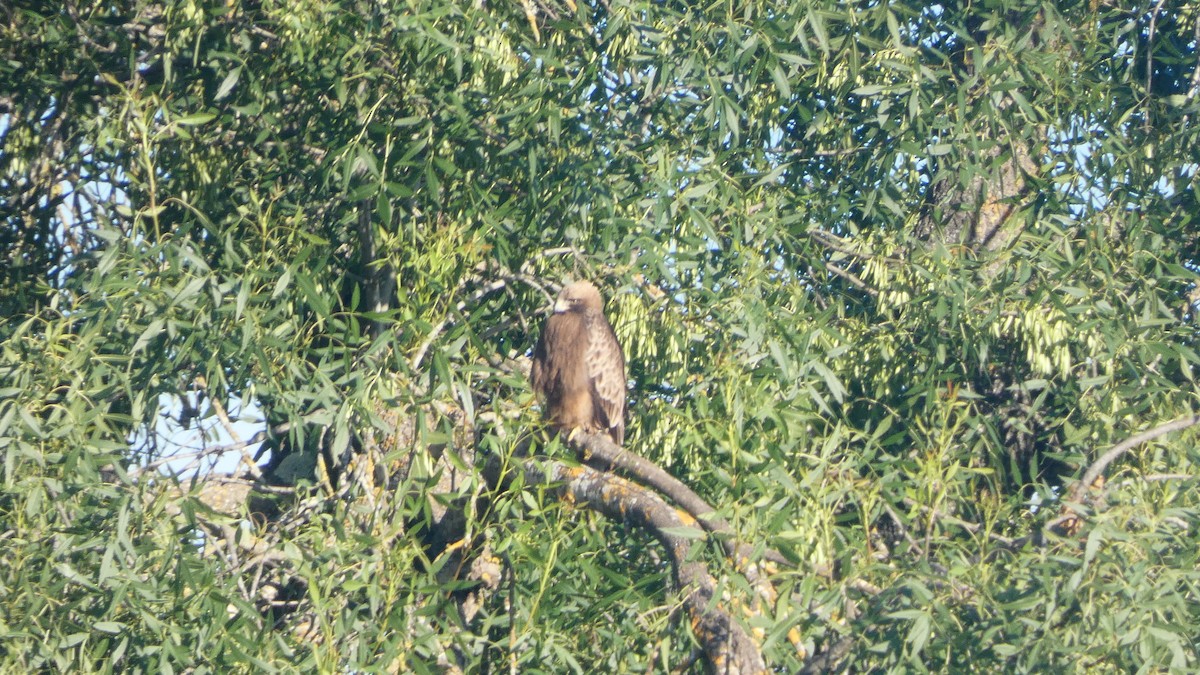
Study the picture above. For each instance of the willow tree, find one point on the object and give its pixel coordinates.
(906, 293)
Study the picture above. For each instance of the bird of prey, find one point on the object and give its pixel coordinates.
(578, 368)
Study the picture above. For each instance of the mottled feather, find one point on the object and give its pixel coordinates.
(578, 368)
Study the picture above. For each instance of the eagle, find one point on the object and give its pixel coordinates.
(578, 368)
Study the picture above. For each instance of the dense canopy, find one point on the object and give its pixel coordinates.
(907, 290)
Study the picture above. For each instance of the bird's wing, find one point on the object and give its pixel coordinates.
(537, 370)
(606, 368)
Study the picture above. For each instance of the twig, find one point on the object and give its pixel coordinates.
(973, 528)
(1150, 51)
(836, 243)
(808, 153)
(257, 485)
(502, 281)
(214, 450)
(903, 530)
(1056, 524)
(830, 658)
(263, 32)
(1164, 477)
(228, 424)
(1071, 516)
(862, 586)
(1194, 88)
(462, 304)
(854, 280)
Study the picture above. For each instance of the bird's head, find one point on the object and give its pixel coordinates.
(581, 297)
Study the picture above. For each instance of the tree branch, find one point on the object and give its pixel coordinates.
(251, 466)
(1098, 467)
(836, 243)
(612, 456)
(504, 277)
(727, 647)
(852, 278)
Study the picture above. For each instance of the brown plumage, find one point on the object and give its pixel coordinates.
(578, 367)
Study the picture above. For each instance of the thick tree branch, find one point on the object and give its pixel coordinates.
(728, 648)
(593, 447)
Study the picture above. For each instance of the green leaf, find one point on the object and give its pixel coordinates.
(227, 84)
(153, 330)
(195, 119)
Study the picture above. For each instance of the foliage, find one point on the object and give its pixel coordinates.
(339, 209)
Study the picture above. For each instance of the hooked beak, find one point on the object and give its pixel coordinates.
(561, 305)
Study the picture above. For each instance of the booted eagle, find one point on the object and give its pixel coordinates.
(578, 367)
